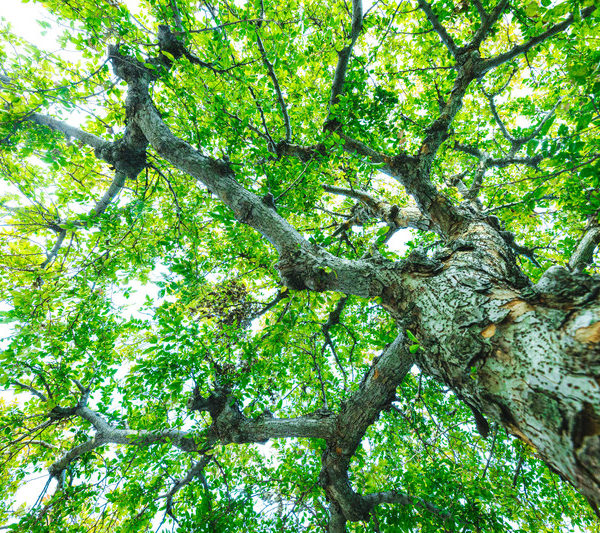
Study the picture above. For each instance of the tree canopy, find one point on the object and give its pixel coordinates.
(301, 266)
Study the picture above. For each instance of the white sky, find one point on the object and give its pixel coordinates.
(22, 18)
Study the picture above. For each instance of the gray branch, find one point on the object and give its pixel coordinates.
(127, 155)
(107, 434)
(31, 389)
(176, 15)
(337, 87)
(399, 217)
(69, 131)
(498, 120)
(500, 162)
(229, 425)
(401, 498)
(437, 26)
(194, 472)
(583, 255)
(112, 192)
(51, 255)
(376, 392)
(481, 10)
(517, 142)
(273, 76)
(302, 265)
(487, 21)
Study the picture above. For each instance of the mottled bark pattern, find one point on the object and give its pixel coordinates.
(528, 357)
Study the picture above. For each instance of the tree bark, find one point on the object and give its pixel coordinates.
(528, 357)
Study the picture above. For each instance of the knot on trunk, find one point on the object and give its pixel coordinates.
(127, 68)
(167, 42)
(214, 404)
(417, 261)
(300, 271)
(559, 285)
(123, 157)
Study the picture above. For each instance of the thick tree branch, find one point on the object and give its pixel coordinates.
(437, 26)
(481, 10)
(230, 425)
(302, 265)
(112, 192)
(437, 131)
(487, 21)
(469, 66)
(540, 125)
(402, 167)
(413, 174)
(127, 155)
(475, 187)
(176, 15)
(397, 497)
(376, 392)
(583, 255)
(399, 217)
(499, 121)
(355, 146)
(69, 131)
(57, 469)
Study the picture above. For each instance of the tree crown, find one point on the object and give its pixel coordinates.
(208, 211)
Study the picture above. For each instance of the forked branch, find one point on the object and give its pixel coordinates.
(488, 64)
(398, 217)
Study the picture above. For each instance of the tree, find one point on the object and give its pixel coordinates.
(241, 173)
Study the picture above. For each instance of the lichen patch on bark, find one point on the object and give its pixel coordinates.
(503, 294)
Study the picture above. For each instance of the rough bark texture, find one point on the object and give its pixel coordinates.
(527, 356)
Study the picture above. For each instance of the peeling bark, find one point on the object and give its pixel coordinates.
(528, 357)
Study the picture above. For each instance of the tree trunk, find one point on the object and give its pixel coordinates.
(526, 356)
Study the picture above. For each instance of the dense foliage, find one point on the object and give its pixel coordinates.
(166, 367)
